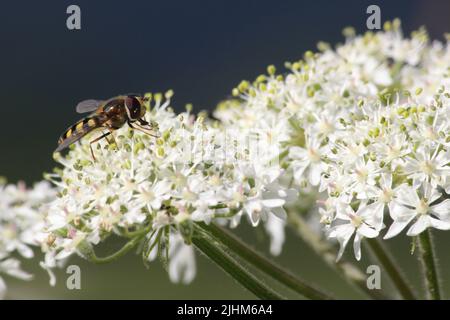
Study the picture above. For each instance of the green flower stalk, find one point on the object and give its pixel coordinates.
(429, 266)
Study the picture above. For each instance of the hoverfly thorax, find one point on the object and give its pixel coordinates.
(135, 108)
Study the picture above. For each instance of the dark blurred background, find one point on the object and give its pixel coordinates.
(200, 49)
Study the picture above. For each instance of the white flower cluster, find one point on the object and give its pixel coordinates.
(194, 171)
(369, 130)
(364, 127)
(20, 223)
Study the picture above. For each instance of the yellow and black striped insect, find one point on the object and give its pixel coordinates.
(109, 115)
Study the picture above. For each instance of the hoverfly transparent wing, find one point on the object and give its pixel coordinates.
(88, 105)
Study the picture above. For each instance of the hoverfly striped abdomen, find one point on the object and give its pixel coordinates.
(78, 130)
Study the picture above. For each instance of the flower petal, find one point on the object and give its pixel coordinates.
(397, 226)
(419, 226)
(439, 224)
(275, 228)
(342, 233)
(357, 246)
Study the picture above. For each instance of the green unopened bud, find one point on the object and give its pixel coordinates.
(400, 111)
(138, 147)
(323, 46)
(296, 66)
(375, 132)
(148, 96)
(168, 94)
(348, 32)
(262, 87)
(158, 97)
(166, 135)
(127, 163)
(366, 142)
(243, 86)
(396, 23)
(112, 146)
(309, 54)
(127, 147)
(271, 70)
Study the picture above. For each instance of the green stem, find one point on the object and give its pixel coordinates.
(136, 233)
(89, 253)
(262, 263)
(218, 253)
(348, 271)
(429, 266)
(391, 268)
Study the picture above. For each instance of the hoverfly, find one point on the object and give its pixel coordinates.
(109, 114)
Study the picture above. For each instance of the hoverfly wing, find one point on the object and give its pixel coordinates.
(88, 105)
(65, 142)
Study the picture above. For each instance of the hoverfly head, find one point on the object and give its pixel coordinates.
(135, 107)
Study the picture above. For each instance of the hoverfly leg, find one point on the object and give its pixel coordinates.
(109, 141)
(95, 140)
(111, 130)
(144, 130)
(144, 124)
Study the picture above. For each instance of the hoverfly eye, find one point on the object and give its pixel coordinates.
(134, 107)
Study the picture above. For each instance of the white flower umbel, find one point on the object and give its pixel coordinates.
(354, 126)
(194, 171)
(359, 123)
(20, 225)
